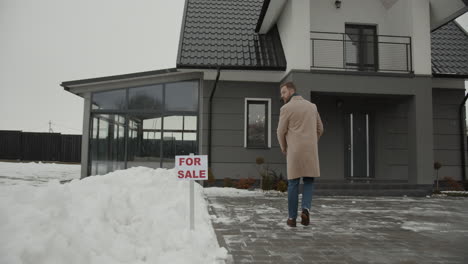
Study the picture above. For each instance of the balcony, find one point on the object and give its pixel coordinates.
(361, 52)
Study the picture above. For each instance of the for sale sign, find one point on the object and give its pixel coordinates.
(193, 167)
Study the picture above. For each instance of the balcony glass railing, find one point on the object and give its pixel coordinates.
(359, 52)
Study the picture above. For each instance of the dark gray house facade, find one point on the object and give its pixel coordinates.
(389, 107)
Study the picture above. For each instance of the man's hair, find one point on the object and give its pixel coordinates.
(289, 85)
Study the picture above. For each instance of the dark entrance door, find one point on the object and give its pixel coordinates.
(359, 145)
(361, 47)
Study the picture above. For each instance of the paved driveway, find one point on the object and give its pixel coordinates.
(343, 230)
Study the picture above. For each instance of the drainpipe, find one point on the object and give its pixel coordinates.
(462, 137)
(210, 116)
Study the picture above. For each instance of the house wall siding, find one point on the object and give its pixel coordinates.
(391, 100)
(229, 157)
(447, 145)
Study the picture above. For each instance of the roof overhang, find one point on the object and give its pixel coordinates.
(240, 75)
(80, 87)
(452, 76)
(271, 10)
(443, 11)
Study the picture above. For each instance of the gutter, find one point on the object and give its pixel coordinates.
(462, 137)
(210, 116)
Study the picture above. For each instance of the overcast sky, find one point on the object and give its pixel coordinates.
(44, 43)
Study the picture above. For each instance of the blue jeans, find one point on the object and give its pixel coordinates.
(293, 195)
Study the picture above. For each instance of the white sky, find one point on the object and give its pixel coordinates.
(44, 43)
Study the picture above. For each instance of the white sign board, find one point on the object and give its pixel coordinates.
(193, 167)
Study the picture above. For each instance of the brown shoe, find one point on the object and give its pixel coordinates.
(291, 222)
(305, 219)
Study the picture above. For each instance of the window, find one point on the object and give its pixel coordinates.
(257, 125)
(182, 96)
(146, 98)
(109, 100)
(361, 47)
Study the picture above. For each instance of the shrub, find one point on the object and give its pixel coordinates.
(245, 183)
(437, 166)
(452, 184)
(259, 160)
(211, 178)
(227, 182)
(267, 183)
(271, 180)
(282, 186)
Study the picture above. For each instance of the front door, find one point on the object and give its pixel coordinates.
(359, 145)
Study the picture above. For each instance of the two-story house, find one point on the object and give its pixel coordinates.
(389, 108)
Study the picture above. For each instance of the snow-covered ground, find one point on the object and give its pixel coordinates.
(139, 215)
(231, 192)
(36, 173)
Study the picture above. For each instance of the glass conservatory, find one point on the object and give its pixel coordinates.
(142, 126)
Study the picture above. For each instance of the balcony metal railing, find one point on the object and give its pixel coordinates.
(358, 52)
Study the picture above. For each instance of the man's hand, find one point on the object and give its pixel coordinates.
(284, 151)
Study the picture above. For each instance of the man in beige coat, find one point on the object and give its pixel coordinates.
(299, 130)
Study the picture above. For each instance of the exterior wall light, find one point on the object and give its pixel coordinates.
(339, 103)
(338, 4)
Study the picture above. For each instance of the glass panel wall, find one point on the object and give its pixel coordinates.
(110, 100)
(143, 126)
(182, 96)
(179, 137)
(144, 140)
(107, 143)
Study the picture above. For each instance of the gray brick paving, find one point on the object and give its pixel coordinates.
(343, 230)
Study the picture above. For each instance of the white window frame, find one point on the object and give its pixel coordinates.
(268, 100)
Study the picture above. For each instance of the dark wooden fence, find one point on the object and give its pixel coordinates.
(32, 146)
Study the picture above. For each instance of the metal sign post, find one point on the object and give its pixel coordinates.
(192, 206)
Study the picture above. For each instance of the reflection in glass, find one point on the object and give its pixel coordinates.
(173, 122)
(144, 141)
(257, 126)
(145, 98)
(107, 143)
(190, 122)
(109, 100)
(182, 96)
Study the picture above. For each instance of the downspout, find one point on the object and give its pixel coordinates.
(210, 116)
(462, 137)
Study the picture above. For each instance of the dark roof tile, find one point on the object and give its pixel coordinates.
(449, 50)
(221, 33)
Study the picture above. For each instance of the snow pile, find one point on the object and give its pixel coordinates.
(422, 226)
(37, 173)
(454, 192)
(139, 215)
(231, 192)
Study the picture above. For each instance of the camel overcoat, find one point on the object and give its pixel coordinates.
(299, 130)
